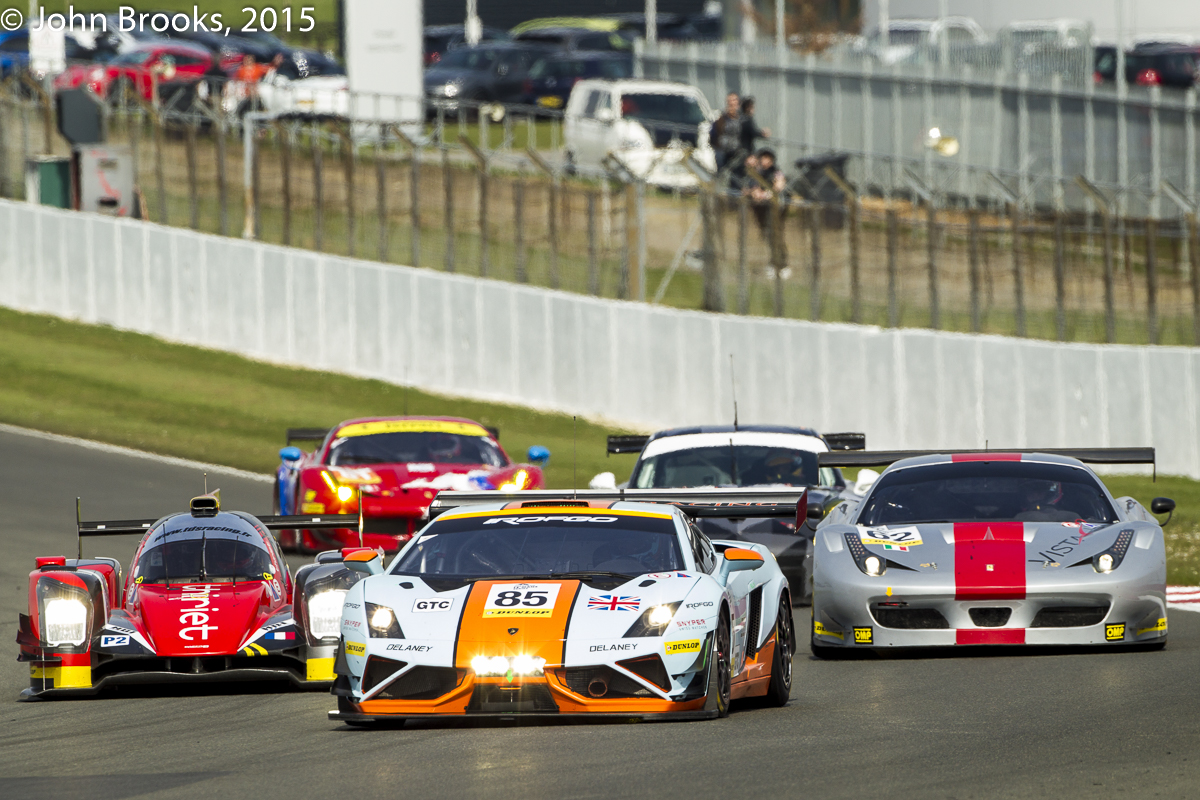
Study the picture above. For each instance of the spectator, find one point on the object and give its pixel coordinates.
(726, 136)
(749, 131)
(767, 203)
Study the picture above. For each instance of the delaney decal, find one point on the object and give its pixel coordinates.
(612, 602)
(410, 648)
(356, 649)
(428, 605)
(196, 617)
(891, 538)
(521, 600)
(684, 646)
(607, 648)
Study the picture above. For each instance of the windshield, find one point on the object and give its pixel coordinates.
(468, 58)
(987, 491)
(907, 36)
(544, 545)
(679, 109)
(134, 57)
(415, 446)
(203, 554)
(733, 465)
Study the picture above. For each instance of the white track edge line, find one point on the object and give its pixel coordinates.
(129, 451)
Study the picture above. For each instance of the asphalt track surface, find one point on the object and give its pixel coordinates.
(997, 724)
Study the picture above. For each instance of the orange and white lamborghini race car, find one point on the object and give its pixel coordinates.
(602, 604)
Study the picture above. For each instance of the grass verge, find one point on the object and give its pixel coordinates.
(134, 390)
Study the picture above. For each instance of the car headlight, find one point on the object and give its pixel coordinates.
(64, 621)
(653, 621)
(499, 665)
(1105, 563)
(867, 561)
(450, 90)
(325, 613)
(345, 493)
(381, 622)
(519, 481)
(1111, 558)
(873, 566)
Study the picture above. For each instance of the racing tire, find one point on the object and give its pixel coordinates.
(779, 691)
(720, 678)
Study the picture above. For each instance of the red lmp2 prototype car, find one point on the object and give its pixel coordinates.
(208, 597)
(396, 465)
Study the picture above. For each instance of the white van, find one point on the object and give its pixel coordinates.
(646, 124)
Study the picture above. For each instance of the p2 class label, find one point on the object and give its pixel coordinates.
(432, 604)
(114, 641)
(521, 600)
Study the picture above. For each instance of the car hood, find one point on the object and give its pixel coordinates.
(391, 479)
(200, 619)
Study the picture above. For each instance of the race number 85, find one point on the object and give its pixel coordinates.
(521, 600)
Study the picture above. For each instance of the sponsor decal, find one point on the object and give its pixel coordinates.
(114, 641)
(606, 648)
(280, 635)
(891, 538)
(705, 604)
(1114, 632)
(683, 646)
(196, 617)
(312, 508)
(521, 600)
(310, 495)
(352, 605)
(433, 604)
(119, 629)
(411, 425)
(690, 623)
(351, 623)
(612, 602)
(820, 629)
(355, 649)
(273, 588)
(280, 624)
(415, 467)
(668, 575)
(355, 476)
(410, 648)
(1161, 625)
(528, 520)
(864, 635)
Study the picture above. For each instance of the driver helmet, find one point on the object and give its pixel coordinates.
(444, 447)
(1041, 493)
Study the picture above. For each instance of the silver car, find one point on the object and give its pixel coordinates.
(986, 548)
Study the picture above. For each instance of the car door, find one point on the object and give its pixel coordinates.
(590, 147)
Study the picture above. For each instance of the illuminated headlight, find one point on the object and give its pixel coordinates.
(518, 482)
(325, 613)
(873, 566)
(381, 622)
(499, 665)
(382, 618)
(450, 90)
(1105, 563)
(653, 621)
(661, 615)
(345, 493)
(65, 622)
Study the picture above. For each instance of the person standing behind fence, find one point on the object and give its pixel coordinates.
(726, 135)
(767, 202)
(749, 131)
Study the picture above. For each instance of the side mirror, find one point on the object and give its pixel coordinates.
(538, 455)
(738, 559)
(605, 480)
(367, 562)
(816, 512)
(291, 453)
(1163, 505)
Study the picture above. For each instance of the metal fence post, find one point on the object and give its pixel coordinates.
(193, 198)
(627, 224)
(814, 299)
(381, 212)
(551, 211)
(931, 237)
(1110, 314)
(1060, 278)
(519, 227)
(414, 199)
(973, 266)
(893, 235)
(1018, 278)
(285, 163)
(714, 286)
(1194, 256)
(448, 208)
(775, 240)
(4, 173)
(222, 189)
(743, 277)
(159, 178)
(593, 262)
(1152, 280)
(256, 187)
(318, 189)
(481, 161)
(348, 164)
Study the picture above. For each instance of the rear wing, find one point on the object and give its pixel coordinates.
(724, 503)
(846, 441)
(306, 434)
(626, 444)
(1088, 455)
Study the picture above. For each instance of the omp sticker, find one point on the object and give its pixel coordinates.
(1161, 625)
(114, 641)
(684, 646)
(864, 635)
(410, 426)
(432, 604)
(521, 600)
(891, 538)
(356, 649)
(1114, 633)
(820, 630)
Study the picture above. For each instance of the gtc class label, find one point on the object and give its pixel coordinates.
(521, 600)
(685, 646)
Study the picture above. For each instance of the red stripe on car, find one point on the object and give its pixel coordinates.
(960, 457)
(990, 636)
(989, 561)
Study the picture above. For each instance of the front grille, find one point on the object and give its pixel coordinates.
(910, 618)
(649, 668)
(755, 622)
(1070, 616)
(422, 683)
(990, 617)
(378, 670)
(490, 698)
(603, 682)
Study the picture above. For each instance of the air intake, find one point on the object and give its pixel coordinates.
(206, 505)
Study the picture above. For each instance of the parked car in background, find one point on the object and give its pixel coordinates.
(172, 68)
(603, 35)
(488, 73)
(14, 51)
(440, 38)
(645, 124)
(552, 77)
(911, 40)
(1151, 64)
(229, 50)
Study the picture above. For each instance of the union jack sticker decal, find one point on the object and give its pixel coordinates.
(612, 602)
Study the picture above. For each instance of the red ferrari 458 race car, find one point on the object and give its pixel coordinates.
(207, 597)
(396, 465)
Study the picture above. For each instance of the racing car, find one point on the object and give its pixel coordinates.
(594, 604)
(989, 548)
(395, 465)
(745, 456)
(208, 597)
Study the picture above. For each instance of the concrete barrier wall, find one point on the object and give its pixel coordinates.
(642, 365)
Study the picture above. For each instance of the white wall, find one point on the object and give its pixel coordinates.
(643, 365)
